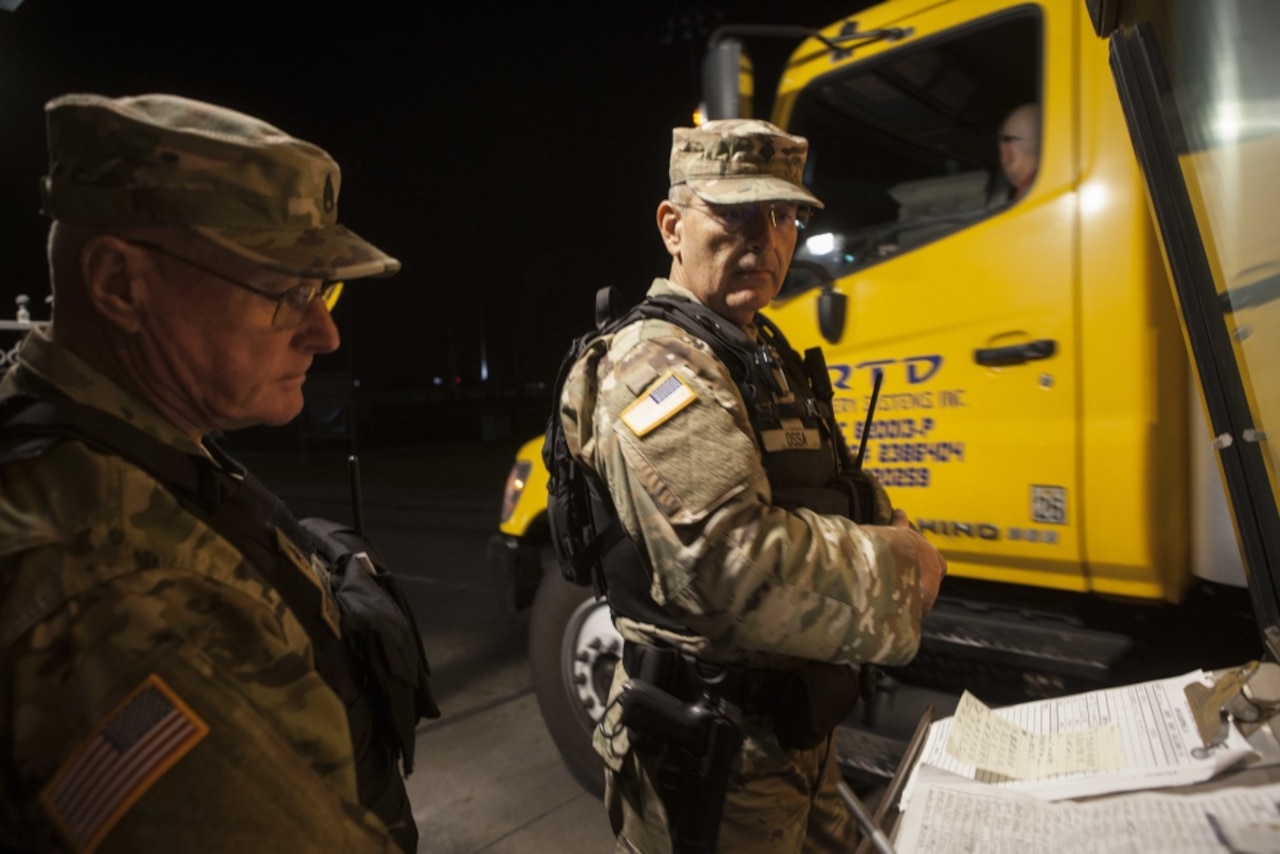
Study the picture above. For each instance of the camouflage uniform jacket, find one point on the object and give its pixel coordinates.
(759, 585)
(108, 586)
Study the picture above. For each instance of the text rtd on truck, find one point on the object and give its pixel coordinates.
(1037, 418)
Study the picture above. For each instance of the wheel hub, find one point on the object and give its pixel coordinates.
(597, 647)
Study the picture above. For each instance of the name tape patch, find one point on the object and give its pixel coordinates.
(792, 439)
(668, 395)
(315, 572)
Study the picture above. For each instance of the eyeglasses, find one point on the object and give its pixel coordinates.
(784, 216)
(291, 305)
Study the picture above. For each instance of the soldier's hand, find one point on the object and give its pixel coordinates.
(933, 566)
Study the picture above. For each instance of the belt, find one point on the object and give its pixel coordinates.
(757, 691)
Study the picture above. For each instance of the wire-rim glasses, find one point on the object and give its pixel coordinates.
(291, 305)
(783, 216)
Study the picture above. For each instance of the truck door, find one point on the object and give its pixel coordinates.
(961, 284)
(1199, 88)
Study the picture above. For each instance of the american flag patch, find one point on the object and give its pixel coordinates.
(662, 400)
(129, 751)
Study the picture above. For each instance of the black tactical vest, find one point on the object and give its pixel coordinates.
(795, 428)
(788, 401)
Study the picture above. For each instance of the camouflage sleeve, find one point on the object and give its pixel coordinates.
(157, 696)
(689, 483)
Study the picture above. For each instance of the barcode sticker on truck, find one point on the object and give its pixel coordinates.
(1049, 505)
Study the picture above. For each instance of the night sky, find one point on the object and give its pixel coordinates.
(510, 155)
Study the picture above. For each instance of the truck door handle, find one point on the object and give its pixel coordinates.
(1016, 354)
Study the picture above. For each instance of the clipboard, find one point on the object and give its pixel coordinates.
(886, 814)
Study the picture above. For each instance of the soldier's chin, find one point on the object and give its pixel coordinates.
(280, 414)
(747, 301)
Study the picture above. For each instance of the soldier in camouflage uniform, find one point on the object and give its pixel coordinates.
(756, 584)
(158, 693)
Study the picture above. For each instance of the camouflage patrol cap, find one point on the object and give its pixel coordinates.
(729, 161)
(164, 160)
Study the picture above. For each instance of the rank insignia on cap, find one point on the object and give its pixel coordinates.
(667, 396)
(122, 758)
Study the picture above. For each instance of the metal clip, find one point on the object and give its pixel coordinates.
(1208, 704)
(774, 376)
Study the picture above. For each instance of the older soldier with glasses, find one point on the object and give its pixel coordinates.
(179, 666)
(747, 588)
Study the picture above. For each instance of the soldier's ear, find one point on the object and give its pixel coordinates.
(670, 226)
(112, 271)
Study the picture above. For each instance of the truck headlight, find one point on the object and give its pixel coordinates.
(516, 480)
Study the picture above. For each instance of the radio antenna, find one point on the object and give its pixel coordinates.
(866, 425)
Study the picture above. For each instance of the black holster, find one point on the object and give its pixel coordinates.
(696, 744)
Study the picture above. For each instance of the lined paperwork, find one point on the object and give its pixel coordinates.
(987, 741)
(959, 815)
(1159, 742)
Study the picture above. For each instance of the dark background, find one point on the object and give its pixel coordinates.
(510, 155)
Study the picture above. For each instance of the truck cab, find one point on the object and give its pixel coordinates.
(1037, 416)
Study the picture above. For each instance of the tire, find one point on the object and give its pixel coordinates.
(573, 649)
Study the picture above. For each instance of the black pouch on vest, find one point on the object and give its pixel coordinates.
(821, 696)
(859, 487)
(380, 628)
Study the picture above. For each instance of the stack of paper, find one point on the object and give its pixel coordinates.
(987, 779)
(1158, 741)
(964, 816)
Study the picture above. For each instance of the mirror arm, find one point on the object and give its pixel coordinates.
(838, 44)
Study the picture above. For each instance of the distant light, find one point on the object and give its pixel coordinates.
(820, 244)
(1228, 123)
(437, 380)
(1093, 197)
(457, 380)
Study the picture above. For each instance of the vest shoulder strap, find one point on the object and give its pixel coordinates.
(30, 424)
(587, 534)
(224, 495)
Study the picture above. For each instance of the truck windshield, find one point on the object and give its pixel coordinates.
(905, 147)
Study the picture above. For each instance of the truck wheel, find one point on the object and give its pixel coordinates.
(573, 648)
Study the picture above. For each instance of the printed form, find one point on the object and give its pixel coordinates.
(1141, 736)
(955, 815)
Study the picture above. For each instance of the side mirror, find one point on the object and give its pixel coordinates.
(805, 275)
(728, 82)
(832, 306)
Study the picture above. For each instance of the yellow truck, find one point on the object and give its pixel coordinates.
(1037, 417)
